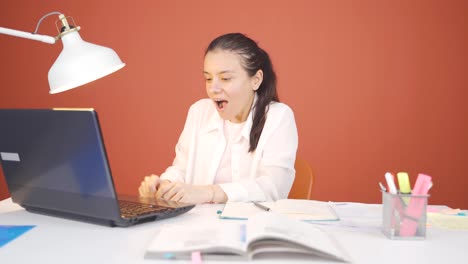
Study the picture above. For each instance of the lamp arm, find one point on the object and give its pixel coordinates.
(28, 35)
(34, 35)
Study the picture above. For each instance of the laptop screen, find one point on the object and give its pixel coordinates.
(56, 159)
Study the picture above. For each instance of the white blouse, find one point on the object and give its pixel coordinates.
(266, 174)
(232, 133)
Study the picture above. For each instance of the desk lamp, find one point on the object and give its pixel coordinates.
(80, 62)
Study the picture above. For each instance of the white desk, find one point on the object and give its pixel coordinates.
(56, 240)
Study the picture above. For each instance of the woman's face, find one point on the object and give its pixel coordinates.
(229, 85)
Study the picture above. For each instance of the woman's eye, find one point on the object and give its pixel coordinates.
(208, 80)
(226, 79)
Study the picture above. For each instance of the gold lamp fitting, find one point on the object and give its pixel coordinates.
(65, 28)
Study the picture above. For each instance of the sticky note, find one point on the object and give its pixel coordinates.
(11, 232)
(196, 257)
(169, 255)
(243, 233)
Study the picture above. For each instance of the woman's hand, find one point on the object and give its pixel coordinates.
(149, 186)
(186, 193)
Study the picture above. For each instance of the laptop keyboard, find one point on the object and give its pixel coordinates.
(130, 209)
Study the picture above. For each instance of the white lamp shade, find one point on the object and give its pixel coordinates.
(81, 62)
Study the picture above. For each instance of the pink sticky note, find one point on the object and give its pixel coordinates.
(196, 257)
(433, 209)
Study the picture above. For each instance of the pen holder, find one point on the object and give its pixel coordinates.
(404, 216)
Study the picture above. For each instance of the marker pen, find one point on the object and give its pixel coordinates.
(390, 182)
(404, 183)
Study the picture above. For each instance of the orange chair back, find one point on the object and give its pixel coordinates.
(302, 186)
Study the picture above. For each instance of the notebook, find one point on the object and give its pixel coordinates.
(55, 163)
(304, 210)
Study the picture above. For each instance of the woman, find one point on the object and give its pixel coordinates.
(241, 143)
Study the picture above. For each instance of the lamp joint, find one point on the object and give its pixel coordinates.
(66, 27)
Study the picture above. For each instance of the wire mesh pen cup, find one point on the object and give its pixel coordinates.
(404, 216)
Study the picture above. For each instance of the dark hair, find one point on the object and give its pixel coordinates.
(253, 58)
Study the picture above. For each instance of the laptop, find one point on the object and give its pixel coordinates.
(55, 163)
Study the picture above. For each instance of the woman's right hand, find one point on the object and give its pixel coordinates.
(149, 186)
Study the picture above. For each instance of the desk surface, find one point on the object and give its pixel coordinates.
(56, 240)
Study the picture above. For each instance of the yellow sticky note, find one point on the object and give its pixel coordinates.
(448, 221)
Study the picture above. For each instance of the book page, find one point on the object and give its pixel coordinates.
(306, 210)
(240, 210)
(271, 232)
(180, 240)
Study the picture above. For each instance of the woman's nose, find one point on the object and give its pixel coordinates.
(215, 86)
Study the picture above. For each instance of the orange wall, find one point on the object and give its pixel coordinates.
(375, 85)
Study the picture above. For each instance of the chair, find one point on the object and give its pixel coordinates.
(302, 185)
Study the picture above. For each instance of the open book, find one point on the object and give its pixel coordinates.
(305, 210)
(263, 235)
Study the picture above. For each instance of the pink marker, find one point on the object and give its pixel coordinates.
(415, 207)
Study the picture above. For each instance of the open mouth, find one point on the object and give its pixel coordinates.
(220, 104)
